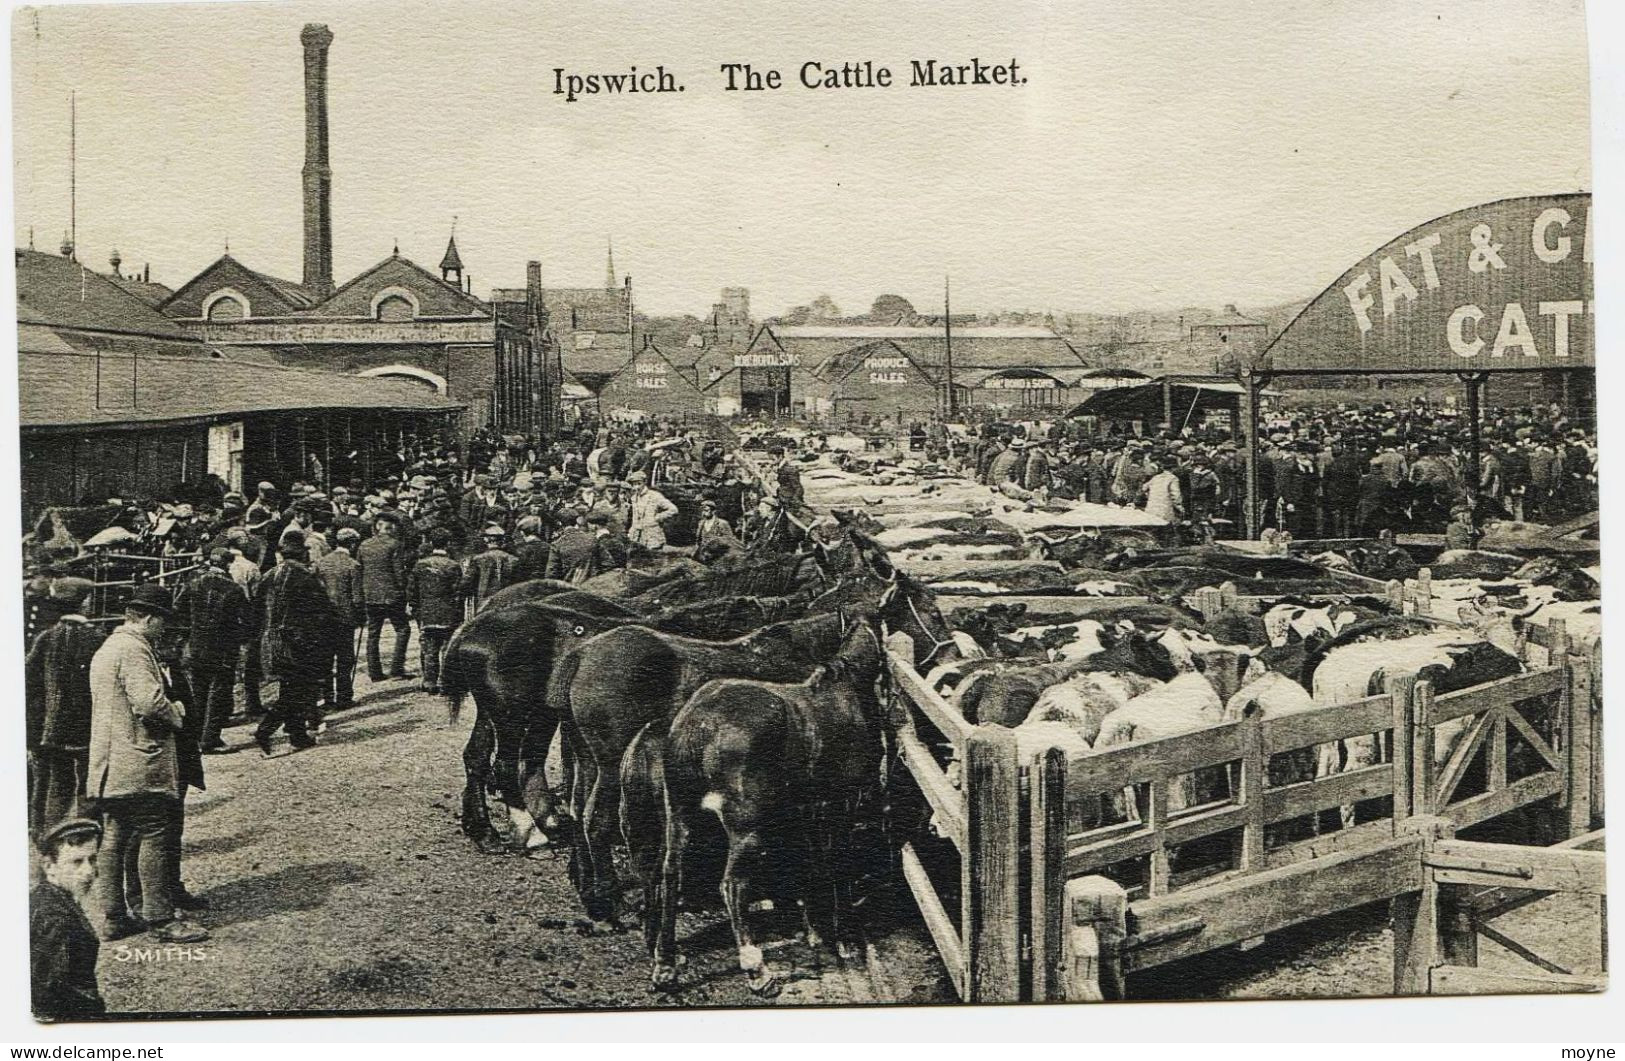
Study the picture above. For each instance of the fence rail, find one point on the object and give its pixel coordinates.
(1087, 901)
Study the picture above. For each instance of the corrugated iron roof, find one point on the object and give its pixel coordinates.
(58, 390)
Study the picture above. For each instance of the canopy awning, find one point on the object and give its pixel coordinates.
(1146, 402)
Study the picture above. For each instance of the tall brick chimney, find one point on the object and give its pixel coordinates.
(318, 175)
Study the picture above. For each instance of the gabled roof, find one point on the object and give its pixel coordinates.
(1228, 318)
(268, 296)
(847, 362)
(1002, 347)
(436, 298)
(57, 291)
(58, 391)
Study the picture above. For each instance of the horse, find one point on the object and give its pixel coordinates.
(504, 656)
(783, 767)
(613, 685)
(617, 682)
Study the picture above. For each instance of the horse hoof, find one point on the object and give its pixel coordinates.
(765, 984)
(664, 977)
(814, 940)
(491, 844)
(846, 951)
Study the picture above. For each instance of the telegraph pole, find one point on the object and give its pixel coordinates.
(948, 337)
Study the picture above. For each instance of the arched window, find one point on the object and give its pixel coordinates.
(225, 305)
(396, 308)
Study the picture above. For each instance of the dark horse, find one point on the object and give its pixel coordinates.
(503, 657)
(784, 768)
(613, 685)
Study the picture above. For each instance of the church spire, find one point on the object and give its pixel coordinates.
(609, 269)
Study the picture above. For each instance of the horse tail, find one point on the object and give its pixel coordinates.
(457, 674)
(559, 682)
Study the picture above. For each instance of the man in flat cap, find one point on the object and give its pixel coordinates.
(384, 564)
(487, 572)
(62, 945)
(135, 771)
(434, 598)
(298, 626)
(341, 577)
(57, 701)
(215, 611)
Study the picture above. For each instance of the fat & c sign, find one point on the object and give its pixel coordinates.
(1499, 287)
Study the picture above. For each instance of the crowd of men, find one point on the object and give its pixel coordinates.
(1322, 472)
(298, 584)
(293, 586)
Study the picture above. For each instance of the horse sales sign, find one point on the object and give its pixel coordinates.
(1500, 287)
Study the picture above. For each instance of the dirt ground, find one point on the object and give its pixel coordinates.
(339, 881)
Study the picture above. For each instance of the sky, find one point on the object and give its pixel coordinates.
(1159, 155)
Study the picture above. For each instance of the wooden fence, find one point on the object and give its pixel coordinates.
(1055, 905)
(1465, 888)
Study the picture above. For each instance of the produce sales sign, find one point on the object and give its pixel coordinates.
(1500, 287)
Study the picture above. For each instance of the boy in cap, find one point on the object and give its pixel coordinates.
(62, 946)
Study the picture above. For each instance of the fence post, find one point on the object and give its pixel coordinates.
(991, 866)
(1593, 666)
(1098, 910)
(1047, 843)
(1424, 591)
(1581, 739)
(1422, 750)
(1402, 691)
(1254, 766)
(1415, 915)
(1395, 591)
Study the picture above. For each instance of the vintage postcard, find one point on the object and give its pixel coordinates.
(574, 506)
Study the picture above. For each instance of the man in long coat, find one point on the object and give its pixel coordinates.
(341, 577)
(135, 772)
(434, 597)
(384, 565)
(299, 625)
(214, 607)
(57, 700)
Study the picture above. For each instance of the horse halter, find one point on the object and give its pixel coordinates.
(895, 585)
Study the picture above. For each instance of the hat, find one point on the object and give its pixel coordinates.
(439, 537)
(339, 491)
(708, 503)
(530, 525)
(598, 518)
(151, 599)
(348, 534)
(183, 512)
(493, 531)
(71, 590)
(266, 487)
(482, 479)
(69, 831)
(220, 556)
(633, 478)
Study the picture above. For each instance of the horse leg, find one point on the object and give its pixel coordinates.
(476, 769)
(667, 894)
(535, 798)
(598, 830)
(744, 847)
